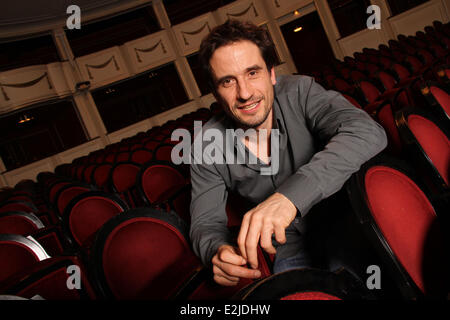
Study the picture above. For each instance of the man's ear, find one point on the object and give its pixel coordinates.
(273, 77)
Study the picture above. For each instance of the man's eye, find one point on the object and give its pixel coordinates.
(227, 83)
(253, 73)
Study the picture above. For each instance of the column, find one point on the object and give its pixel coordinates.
(329, 25)
(90, 117)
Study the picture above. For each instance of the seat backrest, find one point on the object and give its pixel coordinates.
(442, 97)
(110, 157)
(55, 188)
(150, 247)
(387, 80)
(66, 194)
(100, 174)
(17, 222)
(17, 254)
(141, 155)
(87, 173)
(79, 172)
(371, 68)
(306, 284)
(401, 71)
(386, 62)
(122, 156)
(342, 86)
(50, 278)
(370, 91)
(151, 144)
(414, 62)
(403, 225)
(426, 56)
(158, 181)
(123, 176)
(433, 141)
(17, 205)
(20, 197)
(357, 75)
(385, 117)
(87, 212)
(163, 152)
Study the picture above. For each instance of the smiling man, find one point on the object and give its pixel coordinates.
(323, 139)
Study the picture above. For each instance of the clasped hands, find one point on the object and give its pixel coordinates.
(271, 216)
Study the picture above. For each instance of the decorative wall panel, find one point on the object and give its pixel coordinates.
(103, 67)
(29, 85)
(250, 10)
(189, 34)
(149, 52)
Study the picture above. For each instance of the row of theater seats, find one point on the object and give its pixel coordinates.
(121, 214)
(123, 222)
(404, 87)
(401, 197)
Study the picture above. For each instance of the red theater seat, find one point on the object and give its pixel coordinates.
(66, 193)
(49, 280)
(143, 254)
(306, 284)
(87, 212)
(18, 254)
(428, 144)
(403, 227)
(123, 181)
(100, 175)
(141, 155)
(158, 181)
(17, 205)
(17, 222)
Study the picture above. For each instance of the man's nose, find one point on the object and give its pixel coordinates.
(245, 90)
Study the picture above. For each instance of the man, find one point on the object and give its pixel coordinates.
(322, 140)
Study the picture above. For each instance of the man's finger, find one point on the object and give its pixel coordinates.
(224, 281)
(243, 234)
(217, 271)
(280, 234)
(230, 256)
(251, 242)
(238, 271)
(266, 240)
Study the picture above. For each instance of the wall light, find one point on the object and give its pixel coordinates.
(25, 118)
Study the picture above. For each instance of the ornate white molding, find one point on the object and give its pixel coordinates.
(278, 8)
(149, 51)
(103, 67)
(246, 10)
(189, 34)
(25, 86)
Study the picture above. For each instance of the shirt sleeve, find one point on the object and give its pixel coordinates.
(208, 229)
(351, 138)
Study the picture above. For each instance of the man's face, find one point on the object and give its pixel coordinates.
(244, 86)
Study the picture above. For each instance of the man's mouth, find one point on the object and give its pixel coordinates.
(249, 107)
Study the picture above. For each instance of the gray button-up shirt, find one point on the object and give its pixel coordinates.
(323, 139)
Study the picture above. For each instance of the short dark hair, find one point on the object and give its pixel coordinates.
(234, 31)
